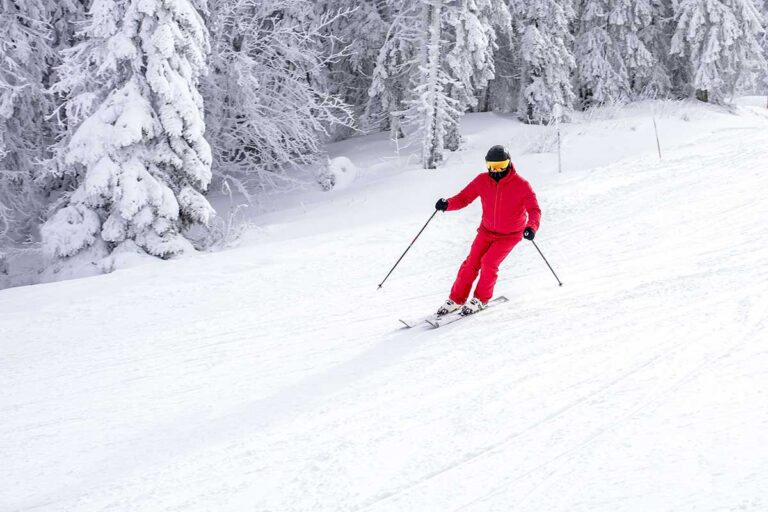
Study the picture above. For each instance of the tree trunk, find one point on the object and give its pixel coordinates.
(524, 107)
(433, 141)
(485, 100)
(394, 127)
(453, 136)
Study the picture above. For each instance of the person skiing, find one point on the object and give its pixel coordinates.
(510, 213)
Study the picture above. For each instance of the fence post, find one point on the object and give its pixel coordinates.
(656, 131)
(558, 114)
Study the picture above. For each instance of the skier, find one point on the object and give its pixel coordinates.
(510, 213)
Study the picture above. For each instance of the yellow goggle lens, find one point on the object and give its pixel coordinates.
(497, 166)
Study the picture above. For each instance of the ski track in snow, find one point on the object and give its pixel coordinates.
(640, 385)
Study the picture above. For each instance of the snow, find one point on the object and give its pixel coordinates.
(339, 174)
(275, 376)
(71, 229)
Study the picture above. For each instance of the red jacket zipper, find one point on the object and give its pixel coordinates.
(495, 204)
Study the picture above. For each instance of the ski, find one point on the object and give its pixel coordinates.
(416, 321)
(456, 316)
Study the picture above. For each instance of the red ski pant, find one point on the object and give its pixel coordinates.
(487, 253)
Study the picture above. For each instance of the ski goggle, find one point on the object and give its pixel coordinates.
(497, 166)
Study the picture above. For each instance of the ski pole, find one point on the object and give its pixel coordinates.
(409, 247)
(545, 261)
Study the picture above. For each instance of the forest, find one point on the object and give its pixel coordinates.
(119, 118)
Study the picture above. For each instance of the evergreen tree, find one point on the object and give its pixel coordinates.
(435, 63)
(471, 33)
(411, 84)
(26, 58)
(764, 44)
(719, 39)
(654, 80)
(396, 62)
(66, 16)
(432, 109)
(601, 72)
(503, 91)
(613, 56)
(546, 60)
(135, 145)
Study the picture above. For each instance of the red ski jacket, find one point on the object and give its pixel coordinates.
(509, 206)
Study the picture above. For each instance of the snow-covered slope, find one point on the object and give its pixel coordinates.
(274, 377)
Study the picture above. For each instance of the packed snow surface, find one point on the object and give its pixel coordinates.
(276, 377)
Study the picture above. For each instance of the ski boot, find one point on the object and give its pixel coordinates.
(473, 306)
(448, 307)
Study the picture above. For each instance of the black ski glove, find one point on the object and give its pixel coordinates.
(441, 205)
(529, 234)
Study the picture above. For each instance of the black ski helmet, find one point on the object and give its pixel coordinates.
(497, 153)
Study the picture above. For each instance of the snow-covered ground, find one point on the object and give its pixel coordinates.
(275, 377)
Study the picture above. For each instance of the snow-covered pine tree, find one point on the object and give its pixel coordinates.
(764, 44)
(545, 58)
(436, 61)
(396, 61)
(267, 103)
(503, 91)
(611, 52)
(66, 18)
(655, 34)
(719, 39)
(601, 70)
(471, 33)
(432, 109)
(410, 83)
(135, 143)
(26, 58)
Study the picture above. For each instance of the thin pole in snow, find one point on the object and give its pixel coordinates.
(409, 248)
(656, 130)
(557, 113)
(545, 261)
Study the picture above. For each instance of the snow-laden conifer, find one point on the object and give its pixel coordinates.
(656, 79)
(436, 61)
(602, 74)
(410, 85)
(546, 61)
(471, 34)
(764, 45)
(26, 57)
(396, 62)
(432, 109)
(612, 55)
(135, 146)
(720, 42)
(502, 93)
